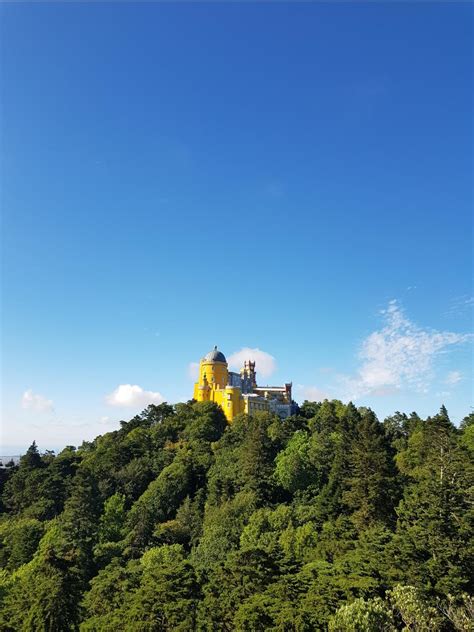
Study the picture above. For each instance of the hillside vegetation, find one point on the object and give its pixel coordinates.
(329, 520)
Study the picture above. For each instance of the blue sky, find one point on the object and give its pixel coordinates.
(290, 178)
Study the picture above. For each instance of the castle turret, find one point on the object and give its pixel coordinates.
(248, 376)
(213, 368)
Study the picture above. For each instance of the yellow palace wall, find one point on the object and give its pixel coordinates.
(212, 386)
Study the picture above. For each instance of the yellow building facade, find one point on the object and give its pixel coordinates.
(238, 393)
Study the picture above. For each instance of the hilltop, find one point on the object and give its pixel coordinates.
(327, 519)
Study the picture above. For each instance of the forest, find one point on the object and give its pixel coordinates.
(328, 520)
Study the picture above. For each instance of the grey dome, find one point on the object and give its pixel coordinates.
(215, 356)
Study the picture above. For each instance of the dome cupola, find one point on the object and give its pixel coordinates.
(215, 356)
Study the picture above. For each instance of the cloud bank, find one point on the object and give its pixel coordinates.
(132, 395)
(36, 402)
(265, 363)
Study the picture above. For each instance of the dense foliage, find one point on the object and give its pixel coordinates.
(329, 520)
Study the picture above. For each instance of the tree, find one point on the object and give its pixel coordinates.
(160, 500)
(222, 528)
(242, 574)
(112, 520)
(168, 594)
(414, 610)
(371, 481)
(44, 594)
(80, 521)
(208, 424)
(31, 459)
(24, 487)
(109, 590)
(19, 541)
(294, 470)
(179, 521)
(431, 547)
(362, 616)
(256, 456)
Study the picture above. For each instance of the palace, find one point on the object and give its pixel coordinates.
(238, 393)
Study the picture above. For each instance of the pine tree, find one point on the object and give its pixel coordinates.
(32, 458)
(433, 546)
(370, 484)
(80, 520)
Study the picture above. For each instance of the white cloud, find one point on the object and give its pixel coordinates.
(265, 364)
(193, 370)
(443, 394)
(107, 421)
(311, 393)
(453, 377)
(132, 395)
(36, 402)
(399, 355)
(460, 305)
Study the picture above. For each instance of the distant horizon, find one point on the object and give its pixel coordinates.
(20, 449)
